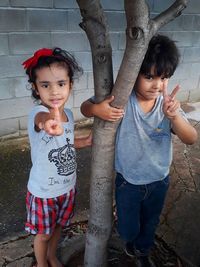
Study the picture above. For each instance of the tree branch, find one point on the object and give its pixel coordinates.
(137, 39)
(169, 14)
(95, 25)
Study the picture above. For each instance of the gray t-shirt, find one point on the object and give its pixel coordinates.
(53, 171)
(143, 150)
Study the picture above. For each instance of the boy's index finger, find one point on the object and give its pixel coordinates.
(165, 94)
(174, 92)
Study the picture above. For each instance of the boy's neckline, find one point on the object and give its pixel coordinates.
(146, 106)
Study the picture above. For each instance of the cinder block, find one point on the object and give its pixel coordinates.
(185, 39)
(194, 95)
(73, 20)
(170, 34)
(183, 70)
(23, 122)
(65, 4)
(122, 40)
(12, 20)
(159, 6)
(115, 73)
(9, 126)
(193, 7)
(90, 78)
(80, 83)
(35, 3)
(183, 96)
(75, 41)
(77, 114)
(119, 4)
(112, 5)
(22, 87)
(70, 101)
(194, 68)
(191, 54)
(196, 21)
(81, 96)
(116, 20)
(114, 40)
(4, 3)
(117, 59)
(4, 50)
(150, 3)
(189, 83)
(7, 89)
(84, 59)
(181, 52)
(47, 20)
(181, 23)
(11, 66)
(24, 43)
(14, 108)
(173, 82)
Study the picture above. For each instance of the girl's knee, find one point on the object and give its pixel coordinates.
(43, 237)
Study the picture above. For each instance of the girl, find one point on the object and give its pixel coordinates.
(51, 185)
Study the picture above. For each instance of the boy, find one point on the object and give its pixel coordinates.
(143, 150)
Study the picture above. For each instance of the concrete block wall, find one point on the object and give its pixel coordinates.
(26, 26)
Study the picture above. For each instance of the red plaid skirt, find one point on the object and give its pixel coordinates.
(43, 214)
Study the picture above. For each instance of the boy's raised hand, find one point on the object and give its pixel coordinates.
(53, 126)
(106, 112)
(170, 104)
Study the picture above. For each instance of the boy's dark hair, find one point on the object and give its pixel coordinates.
(59, 56)
(163, 55)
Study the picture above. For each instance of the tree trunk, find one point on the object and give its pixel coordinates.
(140, 29)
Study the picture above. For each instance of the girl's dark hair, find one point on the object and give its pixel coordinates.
(63, 58)
(163, 55)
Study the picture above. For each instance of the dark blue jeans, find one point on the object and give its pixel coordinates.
(138, 211)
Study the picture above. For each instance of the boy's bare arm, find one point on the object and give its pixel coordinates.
(181, 127)
(184, 130)
(103, 110)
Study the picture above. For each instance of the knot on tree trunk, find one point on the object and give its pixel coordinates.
(135, 33)
(101, 58)
(179, 11)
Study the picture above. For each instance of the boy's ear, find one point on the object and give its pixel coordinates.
(71, 85)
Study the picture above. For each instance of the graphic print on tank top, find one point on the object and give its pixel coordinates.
(64, 159)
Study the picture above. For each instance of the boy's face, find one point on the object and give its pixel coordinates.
(149, 86)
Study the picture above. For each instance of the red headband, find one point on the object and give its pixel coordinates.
(32, 61)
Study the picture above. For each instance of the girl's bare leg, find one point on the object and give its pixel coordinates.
(41, 248)
(52, 248)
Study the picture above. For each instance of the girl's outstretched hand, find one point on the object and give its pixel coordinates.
(170, 104)
(53, 126)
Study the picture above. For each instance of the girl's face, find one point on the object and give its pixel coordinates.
(150, 86)
(53, 85)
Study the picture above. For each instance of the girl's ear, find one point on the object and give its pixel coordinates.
(34, 88)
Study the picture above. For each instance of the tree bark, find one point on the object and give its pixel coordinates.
(139, 31)
(100, 219)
